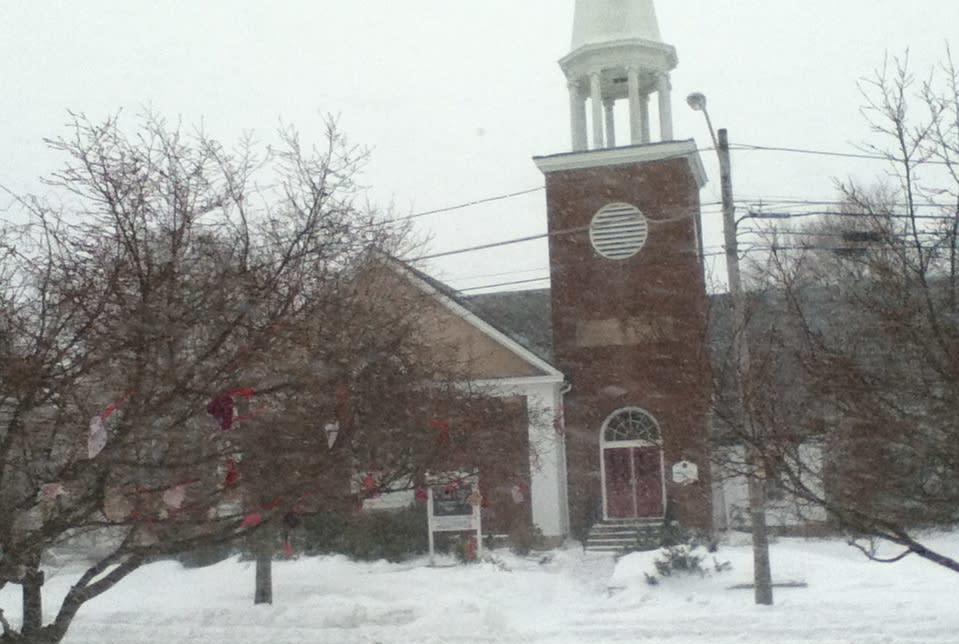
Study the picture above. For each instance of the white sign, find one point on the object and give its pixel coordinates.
(454, 523)
(685, 473)
(455, 506)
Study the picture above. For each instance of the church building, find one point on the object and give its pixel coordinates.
(617, 350)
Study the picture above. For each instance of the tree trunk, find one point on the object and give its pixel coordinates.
(39, 637)
(762, 572)
(934, 557)
(264, 569)
(32, 601)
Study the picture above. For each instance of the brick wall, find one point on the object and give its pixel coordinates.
(631, 333)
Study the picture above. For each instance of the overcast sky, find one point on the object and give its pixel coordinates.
(455, 96)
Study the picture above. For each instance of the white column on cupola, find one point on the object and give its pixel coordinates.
(644, 118)
(635, 109)
(577, 110)
(596, 96)
(610, 105)
(664, 89)
(617, 52)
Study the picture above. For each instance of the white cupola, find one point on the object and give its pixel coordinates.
(617, 53)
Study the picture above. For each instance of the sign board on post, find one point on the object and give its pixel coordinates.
(685, 473)
(454, 506)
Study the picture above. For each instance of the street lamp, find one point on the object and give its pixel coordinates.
(757, 492)
(697, 102)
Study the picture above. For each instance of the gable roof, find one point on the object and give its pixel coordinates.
(514, 332)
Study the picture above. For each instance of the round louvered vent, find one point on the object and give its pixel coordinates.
(618, 231)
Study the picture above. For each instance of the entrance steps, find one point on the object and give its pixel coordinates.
(616, 535)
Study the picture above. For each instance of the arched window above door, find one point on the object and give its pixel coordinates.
(632, 425)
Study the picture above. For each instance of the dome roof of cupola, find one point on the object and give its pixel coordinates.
(598, 22)
(610, 35)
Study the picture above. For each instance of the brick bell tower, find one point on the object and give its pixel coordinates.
(628, 287)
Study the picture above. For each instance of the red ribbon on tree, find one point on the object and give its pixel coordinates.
(252, 520)
(442, 429)
(222, 407)
(232, 474)
(98, 435)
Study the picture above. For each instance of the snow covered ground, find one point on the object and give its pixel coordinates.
(573, 598)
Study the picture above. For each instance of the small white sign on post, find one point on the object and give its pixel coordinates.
(454, 504)
(685, 473)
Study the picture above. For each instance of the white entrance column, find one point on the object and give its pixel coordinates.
(664, 88)
(548, 480)
(610, 105)
(635, 109)
(596, 96)
(577, 110)
(547, 459)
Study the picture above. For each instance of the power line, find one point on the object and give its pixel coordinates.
(468, 204)
(844, 235)
(505, 242)
(502, 273)
(836, 249)
(797, 201)
(513, 283)
(519, 193)
(530, 238)
(752, 249)
(854, 215)
(534, 280)
(829, 153)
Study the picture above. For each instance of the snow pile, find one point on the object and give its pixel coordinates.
(846, 598)
(571, 598)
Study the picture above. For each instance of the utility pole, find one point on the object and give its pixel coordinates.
(762, 575)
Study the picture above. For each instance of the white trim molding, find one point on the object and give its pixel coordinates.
(519, 382)
(627, 155)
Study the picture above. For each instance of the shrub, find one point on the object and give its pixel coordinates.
(683, 559)
(207, 555)
(523, 538)
(369, 536)
(686, 558)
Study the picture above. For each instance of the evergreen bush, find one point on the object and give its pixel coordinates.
(368, 536)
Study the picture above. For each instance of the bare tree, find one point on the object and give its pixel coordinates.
(197, 344)
(855, 334)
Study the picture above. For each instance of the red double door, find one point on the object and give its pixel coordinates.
(634, 482)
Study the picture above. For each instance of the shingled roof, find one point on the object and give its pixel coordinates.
(526, 316)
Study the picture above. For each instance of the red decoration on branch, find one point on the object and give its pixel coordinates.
(252, 520)
(371, 486)
(232, 474)
(442, 429)
(222, 407)
(98, 435)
